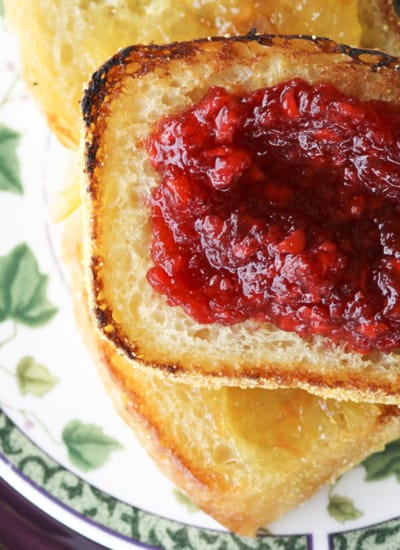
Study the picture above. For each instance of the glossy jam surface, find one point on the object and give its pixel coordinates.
(282, 205)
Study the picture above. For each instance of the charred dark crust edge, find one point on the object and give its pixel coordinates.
(105, 85)
(152, 54)
(97, 88)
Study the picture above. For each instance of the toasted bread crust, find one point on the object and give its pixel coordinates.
(139, 60)
(317, 366)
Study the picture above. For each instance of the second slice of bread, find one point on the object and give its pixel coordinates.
(125, 99)
(61, 43)
(246, 457)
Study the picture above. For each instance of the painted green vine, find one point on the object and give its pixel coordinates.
(24, 301)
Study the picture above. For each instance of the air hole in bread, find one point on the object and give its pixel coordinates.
(203, 334)
(373, 356)
(147, 230)
(158, 317)
(198, 411)
(224, 453)
(341, 421)
(195, 95)
(66, 54)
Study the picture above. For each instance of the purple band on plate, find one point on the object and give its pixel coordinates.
(23, 525)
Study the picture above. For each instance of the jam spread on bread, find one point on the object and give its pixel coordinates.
(282, 205)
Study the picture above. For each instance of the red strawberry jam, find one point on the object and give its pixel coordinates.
(282, 205)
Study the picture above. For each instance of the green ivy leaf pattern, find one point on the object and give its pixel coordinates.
(23, 289)
(384, 536)
(183, 499)
(34, 378)
(342, 509)
(384, 464)
(9, 163)
(129, 521)
(88, 447)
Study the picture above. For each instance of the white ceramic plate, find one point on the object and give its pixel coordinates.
(62, 445)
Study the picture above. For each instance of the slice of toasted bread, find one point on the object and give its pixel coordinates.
(62, 43)
(245, 457)
(380, 24)
(126, 97)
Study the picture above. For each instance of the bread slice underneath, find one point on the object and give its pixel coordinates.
(126, 97)
(246, 457)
